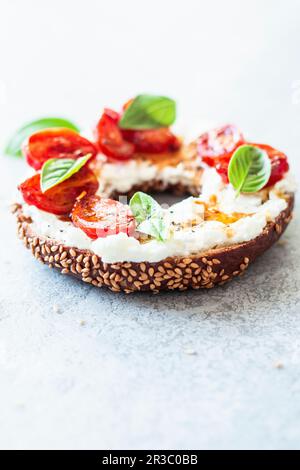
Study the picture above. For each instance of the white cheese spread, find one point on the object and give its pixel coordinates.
(121, 177)
(193, 238)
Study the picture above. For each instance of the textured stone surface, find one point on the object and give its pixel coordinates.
(86, 368)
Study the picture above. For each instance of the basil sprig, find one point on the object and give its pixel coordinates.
(57, 170)
(149, 216)
(249, 169)
(149, 112)
(13, 148)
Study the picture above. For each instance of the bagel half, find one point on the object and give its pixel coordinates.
(202, 270)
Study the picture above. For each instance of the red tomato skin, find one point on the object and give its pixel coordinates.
(112, 114)
(279, 164)
(153, 140)
(109, 137)
(60, 199)
(219, 143)
(217, 147)
(56, 143)
(99, 217)
(121, 144)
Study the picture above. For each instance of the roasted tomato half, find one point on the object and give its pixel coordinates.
(110, 139)
(99, 217)
(60, 199)
(56, 143)
(279, 163)
(217, 146)
(121, 144)
(153, 140)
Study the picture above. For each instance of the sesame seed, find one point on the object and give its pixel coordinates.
(143, 267)
(95, 260)
(115, 289)
(168, 265)
(132, 272)
(78, 268)
(151, 272)
(195, 266)
(170, 272)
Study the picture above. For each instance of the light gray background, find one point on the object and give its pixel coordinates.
(178, 370)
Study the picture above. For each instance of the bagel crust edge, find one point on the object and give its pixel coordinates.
(203, 270)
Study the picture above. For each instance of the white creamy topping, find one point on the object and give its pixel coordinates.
(184, 241)
(287, 184)
(121, 177)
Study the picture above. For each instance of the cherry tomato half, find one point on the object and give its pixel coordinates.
(56, 143)
(279, 163)
(60, 199)
(121, 144)
(219, 144)
(99, 217)
(110, 139)
(153, 140)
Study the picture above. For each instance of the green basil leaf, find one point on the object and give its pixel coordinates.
(149, 216)
(143, 206)
(13, 148)
(57, 170)
(149, 112)
(249, 169)
(155, 227)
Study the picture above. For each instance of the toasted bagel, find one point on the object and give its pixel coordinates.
(200, 270)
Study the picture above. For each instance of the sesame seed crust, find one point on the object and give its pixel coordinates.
(202, 270)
